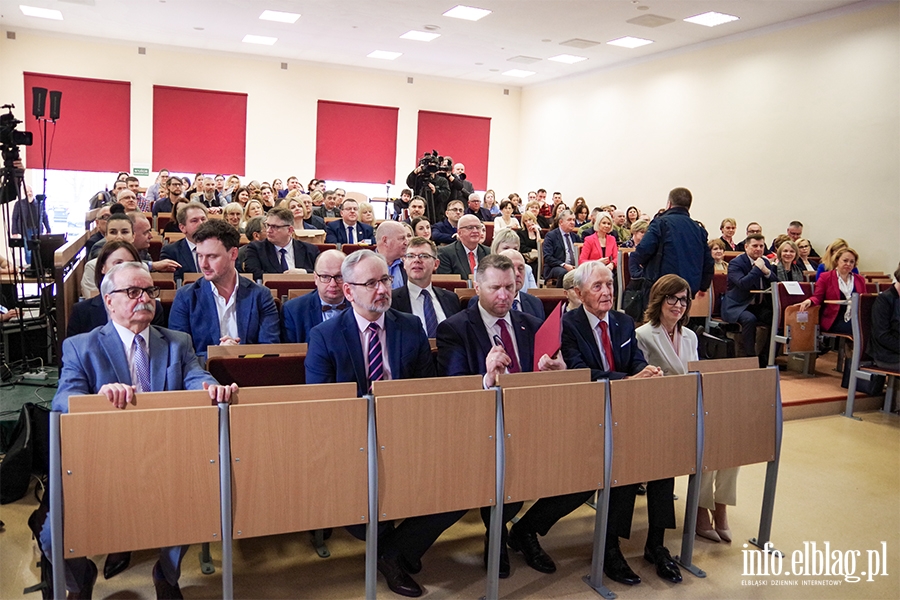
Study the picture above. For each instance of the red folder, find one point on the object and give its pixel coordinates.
(549, 337)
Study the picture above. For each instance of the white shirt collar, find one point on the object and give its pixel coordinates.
(594, 320)
(363, 323)
(127, 336)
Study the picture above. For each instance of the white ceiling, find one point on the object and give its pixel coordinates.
(345, 31)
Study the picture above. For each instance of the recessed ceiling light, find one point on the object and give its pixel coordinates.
(384, 54)
(518, 73)
(467, 12)
(419, 36)
(281, 17)
(43, 13)
(629, 42)
(569, 59)
(259, 39)
(711, 19)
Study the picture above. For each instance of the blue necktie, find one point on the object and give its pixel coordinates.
(141, 363)
(349, 235)
(516, 304)
(376, 370)
(284, 265)
(430, 316)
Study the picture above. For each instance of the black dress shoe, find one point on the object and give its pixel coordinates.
(87, 589)
(616, 567)
(115, 564)
(410, 566)
(504, 559)
(397, 579)
(164, 589)
(528, 545)
(641, 490)
(665, 565)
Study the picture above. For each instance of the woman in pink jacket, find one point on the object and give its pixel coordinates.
(837, 284)
(601, 245)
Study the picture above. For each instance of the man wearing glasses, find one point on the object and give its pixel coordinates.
(223, 308)
(373, 342)
(418, 297)
(279, 252)
(445, 232)
(303, 313)
(462, 256)
(128, 356)
(174, 190)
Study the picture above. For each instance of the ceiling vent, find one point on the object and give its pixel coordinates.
(579, 43)
(650, 20)
(524, 60)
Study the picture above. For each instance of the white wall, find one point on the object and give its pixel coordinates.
(281, 107)
(801, 123)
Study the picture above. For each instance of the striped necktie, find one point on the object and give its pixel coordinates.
(430, 316)
(141, 364)
(376, 357)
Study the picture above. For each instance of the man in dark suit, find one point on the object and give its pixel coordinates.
(596, 337)
(522, 301)
(392, 239)
(191, 216)
(418, 297)
(748, 272)
(753, 228)
(329, 208)
(279, 252)
(462, 256)
(348, 230)
(416, 208)
(368, 343)
(474, 208)
(467, 346)
(301, 314)
(98, 363)
(444, 232)
(223, 308)
(559, 248)
(312, 220)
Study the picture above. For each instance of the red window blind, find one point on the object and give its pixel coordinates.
(356, 142)
(93, 132)
(465, 138)
(199, 130)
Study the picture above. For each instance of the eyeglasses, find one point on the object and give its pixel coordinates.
(135, 292)
(372, 285)
(673, 300)
(422, 256)
(803, 247)
(328, 278)
(102, 218)
(478, 227)
(271, 226)
(457, 209)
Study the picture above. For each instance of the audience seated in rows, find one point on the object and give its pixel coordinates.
(279, 252)
(418, 296)
(837, 284)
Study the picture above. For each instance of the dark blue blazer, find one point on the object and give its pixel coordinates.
(194, 312)
(335, 353)
(580, 351)
(314, 222)
(91, 313)
(555, 249)
(449, 301)
(260, 257)
(93, 359)
(529, 305)
(180, 253)
(744, 276)
(455, 259)
(336, 233)
(443, 232)
(299, 316)
(463, 343)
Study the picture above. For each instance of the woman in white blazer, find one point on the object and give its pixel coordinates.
(668, 344)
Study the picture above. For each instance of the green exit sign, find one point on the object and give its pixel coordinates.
(141, 171)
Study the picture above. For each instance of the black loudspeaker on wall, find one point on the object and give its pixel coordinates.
(39, 101)
(55, 99)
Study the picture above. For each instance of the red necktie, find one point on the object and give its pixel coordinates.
(607, 345)
(509, 347)
(472, 262)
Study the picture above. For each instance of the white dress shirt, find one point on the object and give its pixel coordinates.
(227, 310)
(594, 321)
(289, 257)
(363, 325)
(418, 302)
(493, 328)
(127, 337)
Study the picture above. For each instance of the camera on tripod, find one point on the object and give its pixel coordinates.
(10, 137)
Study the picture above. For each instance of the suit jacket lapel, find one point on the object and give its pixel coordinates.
(616, 336)
(463, 256)
(351, 341)
(393, 337)
(208, 308)
(523, 341)
(584, 330)
(243, 309)
(115, 352)
(272, 257)
(478, 330)
(159, 361)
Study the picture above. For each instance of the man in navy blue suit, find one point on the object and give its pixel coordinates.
(279, 252)
(596, 337)
(124, 357)
(444, 232)
(372, 342)
(223, 308)
(559, 248)
(463, 256)
(467, 345)
(301, 314)
(419, 297)
(349, 230)
(191, 216)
